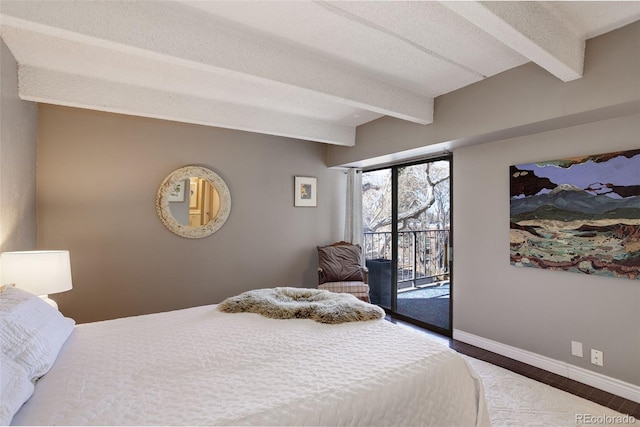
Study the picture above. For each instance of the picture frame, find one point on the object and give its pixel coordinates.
(176, 194)
(305, 192)
(193, 194)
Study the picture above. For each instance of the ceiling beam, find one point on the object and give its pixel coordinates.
(60, 88)
(531, 29)
(179, 34)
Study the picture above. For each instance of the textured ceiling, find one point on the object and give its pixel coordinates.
(311, 70)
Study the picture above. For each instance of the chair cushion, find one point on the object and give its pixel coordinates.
(355, 288)
(340, 263)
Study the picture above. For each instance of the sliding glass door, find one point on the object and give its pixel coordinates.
(407, 240)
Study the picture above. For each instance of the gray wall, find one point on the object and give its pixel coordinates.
(98, 174)
(18, 137)
(538, 310)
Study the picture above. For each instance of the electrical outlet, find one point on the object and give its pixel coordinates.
(597, 357)
(576, 348)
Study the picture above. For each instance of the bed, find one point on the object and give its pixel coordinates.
(201, 366)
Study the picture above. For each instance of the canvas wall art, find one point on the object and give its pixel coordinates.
(578, 214)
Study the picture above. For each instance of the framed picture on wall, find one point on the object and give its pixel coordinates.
(305, 192)
(193, 193)
(177, 192)
(578, 214)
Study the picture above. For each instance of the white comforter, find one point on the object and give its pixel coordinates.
(200, 366)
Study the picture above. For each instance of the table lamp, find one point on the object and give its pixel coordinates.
(38, 272)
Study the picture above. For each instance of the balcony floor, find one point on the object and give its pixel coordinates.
(428, 304)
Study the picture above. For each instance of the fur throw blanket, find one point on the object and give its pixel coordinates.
(302, 303)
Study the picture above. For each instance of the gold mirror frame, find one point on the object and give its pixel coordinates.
(187, 231)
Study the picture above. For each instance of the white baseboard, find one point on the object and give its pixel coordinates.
(593, 379)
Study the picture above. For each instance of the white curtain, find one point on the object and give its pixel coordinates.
(353, 220)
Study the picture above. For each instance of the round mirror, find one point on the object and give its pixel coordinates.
(193, 202)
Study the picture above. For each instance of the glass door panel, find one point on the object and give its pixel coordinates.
(378, 239)
(406, 218)
(423, 285)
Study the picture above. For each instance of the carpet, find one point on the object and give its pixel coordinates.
(515, 400)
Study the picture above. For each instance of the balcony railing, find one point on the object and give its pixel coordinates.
(423, 256)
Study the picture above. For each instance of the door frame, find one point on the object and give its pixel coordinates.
(394, 237)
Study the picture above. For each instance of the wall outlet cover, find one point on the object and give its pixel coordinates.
(597, 357)
(576, 348)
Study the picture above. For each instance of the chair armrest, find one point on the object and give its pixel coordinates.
(365, 275)
(321, 276)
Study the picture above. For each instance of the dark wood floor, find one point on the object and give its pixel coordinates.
(604, 398)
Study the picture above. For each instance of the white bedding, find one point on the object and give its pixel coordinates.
(200, 366)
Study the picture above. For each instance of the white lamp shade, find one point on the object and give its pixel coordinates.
(37, 272)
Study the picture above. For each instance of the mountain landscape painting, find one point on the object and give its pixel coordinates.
(579, 214)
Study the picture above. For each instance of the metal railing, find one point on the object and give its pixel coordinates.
(423, 256)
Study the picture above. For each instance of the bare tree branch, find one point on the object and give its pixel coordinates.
(382, 218)
(408, 214)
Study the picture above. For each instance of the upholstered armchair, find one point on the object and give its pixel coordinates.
(340, 269)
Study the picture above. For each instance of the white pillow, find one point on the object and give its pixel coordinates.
(15, 388)
(31, 331)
